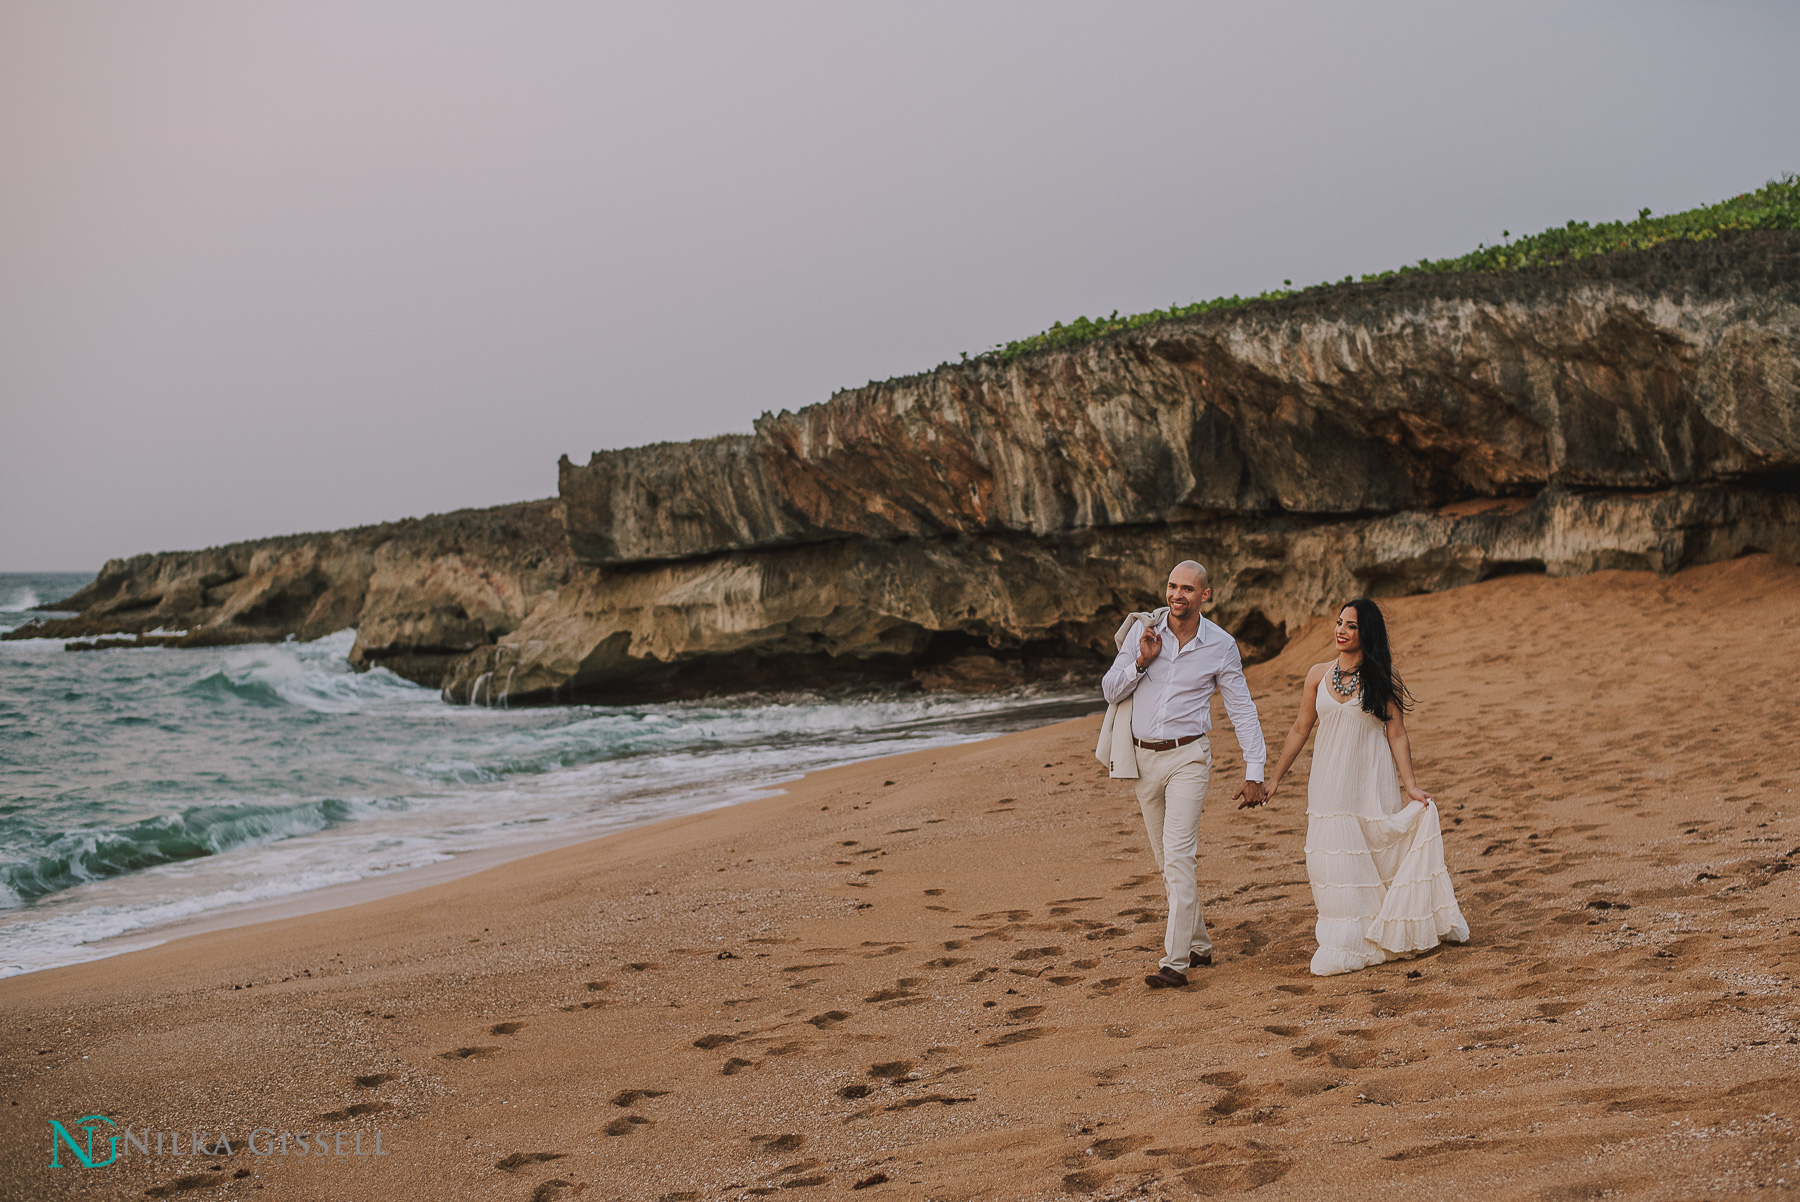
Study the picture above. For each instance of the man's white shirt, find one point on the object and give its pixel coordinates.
(1172, 696)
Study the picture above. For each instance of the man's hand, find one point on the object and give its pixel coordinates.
(1252, 793)
(1149, 647)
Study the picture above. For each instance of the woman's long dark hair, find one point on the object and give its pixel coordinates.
(1382, 688)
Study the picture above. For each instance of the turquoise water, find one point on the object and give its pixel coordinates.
(142, 786)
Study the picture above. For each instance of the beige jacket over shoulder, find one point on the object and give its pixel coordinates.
(1115, 748)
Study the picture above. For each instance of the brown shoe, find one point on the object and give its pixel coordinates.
(1199, 959)
(1165, 978)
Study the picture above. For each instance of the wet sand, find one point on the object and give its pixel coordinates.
(922, 975)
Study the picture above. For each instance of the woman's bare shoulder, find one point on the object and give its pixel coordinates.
(1316, 673)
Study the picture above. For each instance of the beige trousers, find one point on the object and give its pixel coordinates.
(1171, 790)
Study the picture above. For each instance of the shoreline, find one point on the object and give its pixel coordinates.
(720, 784)
(920, 975)
(337, 897)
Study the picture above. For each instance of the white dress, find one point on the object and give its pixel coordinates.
(1375, 858)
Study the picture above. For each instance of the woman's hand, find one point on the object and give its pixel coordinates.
(1418, 794)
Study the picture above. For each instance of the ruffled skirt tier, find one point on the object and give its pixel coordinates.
(1378, 877)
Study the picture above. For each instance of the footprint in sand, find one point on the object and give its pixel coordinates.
(1089, 1179)
(467, 1053)
(799, 1174)
(892, 1070)
(709, 1042)
(889, 995)
(506, 1028)
(736, 1065)
(356, 1111)
(1307, 1086)
(1225, 1168)
(626, 1125)
(829, 1019)
(1106, 1150)
(939, 1099)
(778, 1143)
(374, 1079)
(520, 1160)
(1012, 1037)
(1025, 1012)
(557, 1187)
(1038, 953)
(631, 1097)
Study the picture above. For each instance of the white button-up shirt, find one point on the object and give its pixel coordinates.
(1173, 695)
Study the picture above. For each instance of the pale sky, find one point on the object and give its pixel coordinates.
(276, 267)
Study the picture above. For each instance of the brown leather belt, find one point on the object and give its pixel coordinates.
(1166, 744)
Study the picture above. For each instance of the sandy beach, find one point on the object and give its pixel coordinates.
(920, 977)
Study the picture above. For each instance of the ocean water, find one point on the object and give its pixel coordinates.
(139, 787)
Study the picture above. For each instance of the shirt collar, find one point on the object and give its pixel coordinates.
(1201, 636)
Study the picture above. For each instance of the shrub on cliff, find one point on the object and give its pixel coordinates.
(1775, 206)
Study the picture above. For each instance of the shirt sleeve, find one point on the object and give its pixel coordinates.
(1242, 711)
(1121, 680)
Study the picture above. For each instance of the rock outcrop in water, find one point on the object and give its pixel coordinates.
(422, 593)
(989, 521)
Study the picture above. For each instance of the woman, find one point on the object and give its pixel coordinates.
(1373, 850)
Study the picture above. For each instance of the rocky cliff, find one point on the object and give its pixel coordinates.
(421, 593)
(991, 519)
(1632, 371)
(988, 521)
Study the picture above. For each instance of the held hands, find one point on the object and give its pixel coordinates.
(1149, 647)
(1253, 795)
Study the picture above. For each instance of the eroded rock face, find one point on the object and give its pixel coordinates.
(421, 593)
(872, 611)
(1635, 411)
(1644, 371)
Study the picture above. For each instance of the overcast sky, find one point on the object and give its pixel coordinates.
(276, 267)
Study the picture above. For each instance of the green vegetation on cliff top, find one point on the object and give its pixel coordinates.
(1776, 206)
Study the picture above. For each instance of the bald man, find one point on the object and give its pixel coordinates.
(1170, 668)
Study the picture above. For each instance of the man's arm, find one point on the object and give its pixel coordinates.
(1242, 711)
(1121, 680)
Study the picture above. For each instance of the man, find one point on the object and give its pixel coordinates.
(1169, 667)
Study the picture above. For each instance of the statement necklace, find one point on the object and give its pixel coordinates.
(1343, 683)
